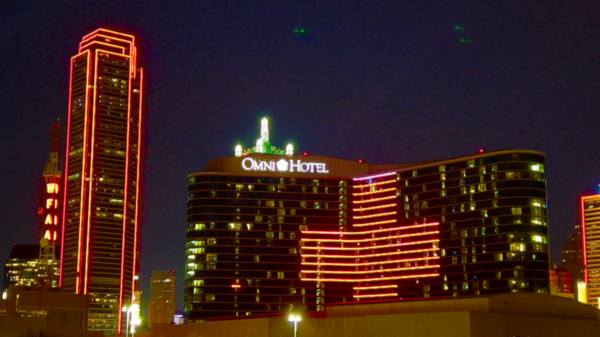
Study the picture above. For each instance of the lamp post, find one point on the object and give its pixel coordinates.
(128, 311)
(295, 319)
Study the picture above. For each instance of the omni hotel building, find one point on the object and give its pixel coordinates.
(271, 231)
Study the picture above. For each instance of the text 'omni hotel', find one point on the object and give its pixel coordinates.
(270, 231)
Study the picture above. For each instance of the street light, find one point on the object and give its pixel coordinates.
(295, 319)
(128, 311)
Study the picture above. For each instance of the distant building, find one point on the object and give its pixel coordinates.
(572, 254)
(161, 308)
(561, 282)
(590, 210)
(23, 268)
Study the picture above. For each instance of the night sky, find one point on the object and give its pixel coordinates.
(388, 81)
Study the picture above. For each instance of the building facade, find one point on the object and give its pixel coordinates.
(590, 210)
(99, 253)
(24, 269)
(162, 305)
(270, 231)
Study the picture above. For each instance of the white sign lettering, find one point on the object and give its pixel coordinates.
(283, 165)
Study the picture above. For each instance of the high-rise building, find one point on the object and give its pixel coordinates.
(161, 308)
(270, 231)
(590, 214)
(102, 177)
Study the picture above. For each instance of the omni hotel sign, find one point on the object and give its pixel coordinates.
(283, 165)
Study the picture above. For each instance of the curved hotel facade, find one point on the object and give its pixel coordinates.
(270, 231)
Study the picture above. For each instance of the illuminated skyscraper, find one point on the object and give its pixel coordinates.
(270, 231)
(102, 177)
(590, 214)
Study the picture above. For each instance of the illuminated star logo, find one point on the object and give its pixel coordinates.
(282, 165)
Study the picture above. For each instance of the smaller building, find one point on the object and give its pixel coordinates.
(561, 282)
(24, 269)
(161, 307)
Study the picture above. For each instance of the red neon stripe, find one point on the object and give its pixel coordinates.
(355, 272)
(373, 231)
(91, 176)
(374, 223)
(371, 255)
(373, 207)
(122, 287)
(375, 184)
(62, 246)
(137, 184)
(372, 247)
(375, 295)
(375, 176)
(373, 215)
(370, 279)
(373, 200)
(366, 263)
(376, 287)
(374, 192)
(372, 239)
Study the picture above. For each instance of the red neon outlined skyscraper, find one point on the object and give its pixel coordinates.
(102, 176)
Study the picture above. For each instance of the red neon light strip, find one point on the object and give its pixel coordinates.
(373, 215)
(375, 176)
(137, 184)
(374, 223)
(375, 295)
(375, 184)
(373, 200)
(377, 287)
(81, 44)
(366, 263)
(373, 207)
(359, 272)
(374, 192)
(62, 246)
(91, 177)
(372, 247)
(371, 255)
(371, 239)
(122, 289)
(104, 44)
(372, 231)
(370, 280)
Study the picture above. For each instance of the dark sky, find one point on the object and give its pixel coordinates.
(388, 81)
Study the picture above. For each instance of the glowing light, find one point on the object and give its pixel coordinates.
(371, 255)
(374, 207)
(375, 295)
(48, 220)
(236, 286)
(289, 150)
(49, 203)
(137, 184)
(372, 231)
(373, 215)
(356, 264)
(52, 188)
(359, 272)
(260, 146)
(47, 235)
(238, 150)
(371, 239)
(264, 130)
(375, 184)
(373, 247)
(375, 223)
(376, 287)
(371, 279)
(373, 192)
(373, 200)
(375, 176)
